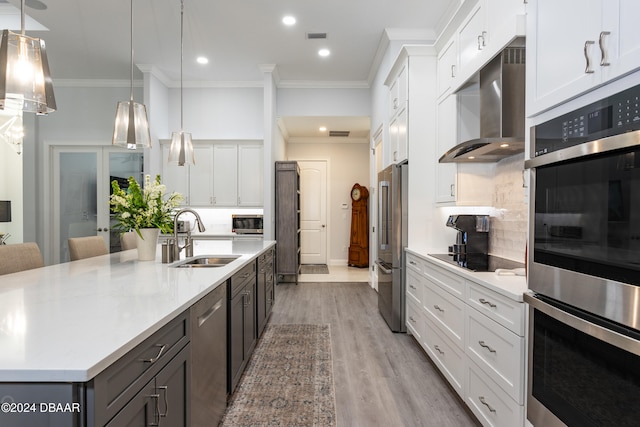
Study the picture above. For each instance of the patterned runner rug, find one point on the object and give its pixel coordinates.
(314, 269)
(288, 382)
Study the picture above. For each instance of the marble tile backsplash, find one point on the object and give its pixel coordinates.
(509, 225)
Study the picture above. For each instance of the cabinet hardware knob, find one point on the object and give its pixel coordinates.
(489, 303)
(588, 69)
(155, 359)
(484, 402)
(482, 344)
(604, 62)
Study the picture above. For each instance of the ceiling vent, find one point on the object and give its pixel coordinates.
(340, 133)
(314, 36)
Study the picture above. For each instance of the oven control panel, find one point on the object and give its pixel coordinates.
(610, 116)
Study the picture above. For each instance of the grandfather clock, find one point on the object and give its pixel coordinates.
(359, 243)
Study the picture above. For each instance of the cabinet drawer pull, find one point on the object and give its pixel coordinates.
(437, 307)
(438, 349)
(452, 190)
(482, 344)
(588, 69)
(453, 70)
(484, 402)
(412, 319)
(489, 303)
(604, 62)
(413, 287)
(155, 359)
(413, 263)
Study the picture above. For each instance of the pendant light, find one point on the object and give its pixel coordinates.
(132, 127)
(24, 72)
(181, 149)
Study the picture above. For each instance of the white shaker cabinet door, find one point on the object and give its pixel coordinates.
(565, 33)
(200, 177)
(250, 175)
(225, 175)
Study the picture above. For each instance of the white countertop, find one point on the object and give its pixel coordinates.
(70, 321)
(512, 287)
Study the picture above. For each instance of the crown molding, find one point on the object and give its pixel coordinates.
(311, 84)
(326, 140)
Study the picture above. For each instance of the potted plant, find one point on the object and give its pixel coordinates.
(147, 211)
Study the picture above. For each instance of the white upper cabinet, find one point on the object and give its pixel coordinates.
(472, 37)
(398, 92)
(200, 182)
(599, 43)
(226, 174)
(412, 85)
(447, 67)
(250, 175)
(489, 27)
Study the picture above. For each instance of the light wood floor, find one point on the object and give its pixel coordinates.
(381, 378)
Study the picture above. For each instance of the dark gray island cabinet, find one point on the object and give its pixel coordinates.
(147, 386)
(160, 350)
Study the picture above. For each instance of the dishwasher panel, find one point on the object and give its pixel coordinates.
(209, 358)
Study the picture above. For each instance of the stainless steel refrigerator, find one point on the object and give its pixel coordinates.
(392, 239)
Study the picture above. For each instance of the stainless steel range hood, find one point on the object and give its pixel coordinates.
(502, 89)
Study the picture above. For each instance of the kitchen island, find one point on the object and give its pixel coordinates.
(68, 323)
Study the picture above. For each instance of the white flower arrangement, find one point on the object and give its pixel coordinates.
(138, 208)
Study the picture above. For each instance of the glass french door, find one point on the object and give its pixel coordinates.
(81, 188)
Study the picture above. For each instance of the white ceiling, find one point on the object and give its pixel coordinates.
(90, 39)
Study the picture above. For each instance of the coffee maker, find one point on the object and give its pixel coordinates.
(472, 238)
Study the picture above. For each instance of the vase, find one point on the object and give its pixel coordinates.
(147, 244)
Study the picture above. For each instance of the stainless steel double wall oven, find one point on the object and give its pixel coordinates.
(584, 266)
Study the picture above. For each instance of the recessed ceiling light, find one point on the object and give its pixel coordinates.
(471, 157)
(504, 145)
(324, 52)
(323, 129)
(289, 20)
(202, 60)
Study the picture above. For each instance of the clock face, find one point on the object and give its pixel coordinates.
(355, 194)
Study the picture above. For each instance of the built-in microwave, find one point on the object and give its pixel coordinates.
(247, 224)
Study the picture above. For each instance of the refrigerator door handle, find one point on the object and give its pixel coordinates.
(383, 215)
(383, 268)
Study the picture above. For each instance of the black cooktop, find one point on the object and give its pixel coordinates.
(479, 262)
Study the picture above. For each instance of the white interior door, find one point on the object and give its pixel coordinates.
(313, 212)
(81, 178)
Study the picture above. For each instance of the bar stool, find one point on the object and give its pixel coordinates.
(86, 247)
(20, 257)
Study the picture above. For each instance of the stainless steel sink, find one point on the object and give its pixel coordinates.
(207, 261)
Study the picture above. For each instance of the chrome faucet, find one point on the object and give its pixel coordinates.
(188, 241)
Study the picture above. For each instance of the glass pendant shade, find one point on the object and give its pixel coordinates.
(181, 149)
(132, 127)
(24, 74)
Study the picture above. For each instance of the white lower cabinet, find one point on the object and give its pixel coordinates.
(474, 335)
(446, 355)
(498, 352)
(415, 320)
